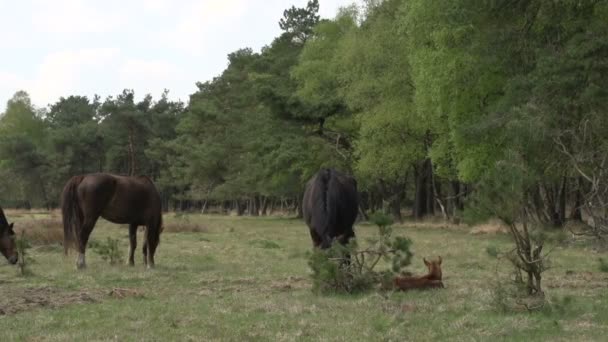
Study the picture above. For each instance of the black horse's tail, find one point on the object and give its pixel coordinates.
(71, 212)
(327, 219)
(158, 228)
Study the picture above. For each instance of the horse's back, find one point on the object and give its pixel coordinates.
(120, 199)
(96, 190)
(330, 203)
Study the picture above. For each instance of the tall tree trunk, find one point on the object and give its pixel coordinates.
(576, 213)
(44, 196)
(255, 206)
(458, 196)
(424, 199)
(240, 208)
(264, 206)
(562, 202)
(395, 206)
(300, 212)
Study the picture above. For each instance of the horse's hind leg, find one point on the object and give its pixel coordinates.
(316, 239)
(83, 239)
(150, 245)
(133, 243)
(145, 249)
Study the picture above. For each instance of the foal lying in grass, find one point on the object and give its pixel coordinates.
(430, 280)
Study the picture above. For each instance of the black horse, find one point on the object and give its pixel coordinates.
(7, 240)
(118, 199)
(330, 207)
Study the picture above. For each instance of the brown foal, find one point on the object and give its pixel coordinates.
(430, 280)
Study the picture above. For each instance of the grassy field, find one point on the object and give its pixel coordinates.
(247, 279)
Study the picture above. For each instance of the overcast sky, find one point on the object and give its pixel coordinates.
(53, 48)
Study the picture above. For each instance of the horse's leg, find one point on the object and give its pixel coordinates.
(133, 243)
(316, 239)
(151, 244)
(144, 249)
(83, 239)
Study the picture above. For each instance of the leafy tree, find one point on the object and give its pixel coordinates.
(298, 22)
(22, 156)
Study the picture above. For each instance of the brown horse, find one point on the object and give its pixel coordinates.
(118, 199)
(430, 280)
(7, 240)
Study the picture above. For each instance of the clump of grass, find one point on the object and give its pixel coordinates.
(492, 251)
(42, 232)
(182, 224)
(559, 306)
(109, 250)
(266, 244)
(603, 266)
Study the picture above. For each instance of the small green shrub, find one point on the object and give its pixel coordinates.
(108, 250)
(603, 265)
(492, 251)
(23, 244)
(349, 269)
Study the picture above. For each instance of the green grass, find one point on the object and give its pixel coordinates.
(247, 279)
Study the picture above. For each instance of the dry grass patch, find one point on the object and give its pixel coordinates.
(492, 227)
(18, 300)
(184, 225)
(42, 232)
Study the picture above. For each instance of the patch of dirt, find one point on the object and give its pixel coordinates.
(290, 283)
(215, 286)
(17, 300)
(492, 227)
(125, 293)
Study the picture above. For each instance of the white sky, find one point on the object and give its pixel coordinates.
(54, 48)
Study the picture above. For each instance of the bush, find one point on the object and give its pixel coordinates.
(108, 250)
(23, 244)
(348, 269)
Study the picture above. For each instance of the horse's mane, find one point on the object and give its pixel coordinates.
(3, 220)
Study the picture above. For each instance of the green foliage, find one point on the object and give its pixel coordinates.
(298, 22)
(381, 220)
(492, 251)
(23, 245)
(266, 244)
(603, 265)
(109, 250)
(508, 98)
(351, 269)
(332, 275)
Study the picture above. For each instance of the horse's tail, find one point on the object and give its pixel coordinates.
(154, 230)
(159, 227)
(71, 212)
(329, 208)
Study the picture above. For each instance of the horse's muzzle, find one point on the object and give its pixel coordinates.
(13, 259)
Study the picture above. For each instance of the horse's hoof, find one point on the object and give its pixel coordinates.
(81, 266)
(150, 266)
(130, 263)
